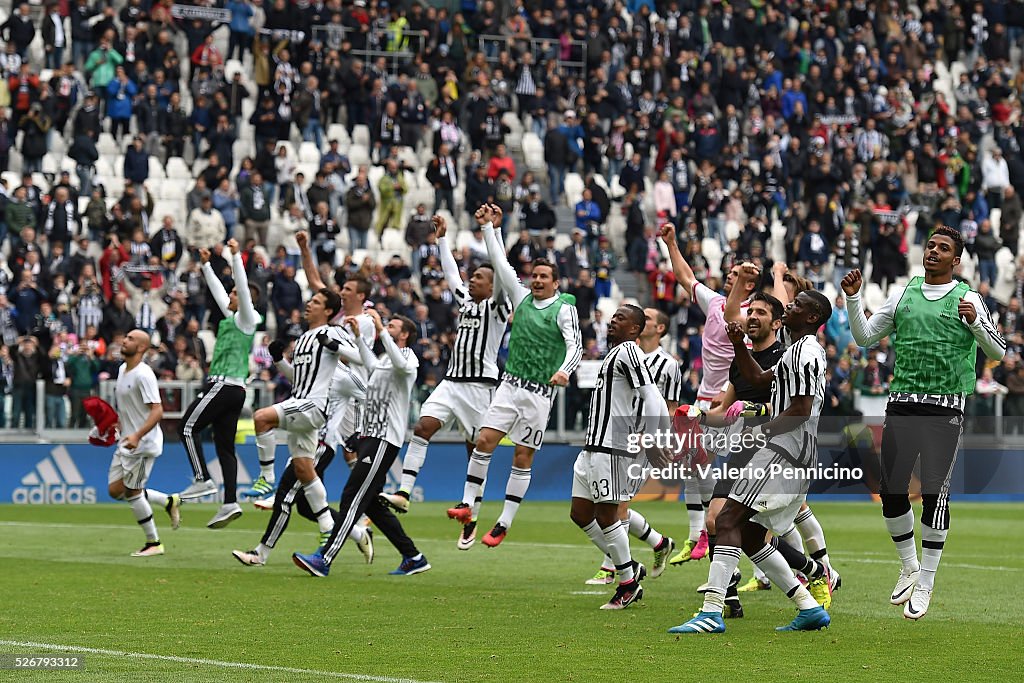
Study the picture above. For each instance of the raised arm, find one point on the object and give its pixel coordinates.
(504, 274)
(680, 268)
(779, 271)
(214, 284)
(868, 331)
(246, 318)
(738, 294)
(309, 266)
(452, 275)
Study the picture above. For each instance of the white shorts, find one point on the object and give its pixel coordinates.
(131, 468)
(519, 413)
(465, 403)
(605, 478)
(302, 419)
(776, 499)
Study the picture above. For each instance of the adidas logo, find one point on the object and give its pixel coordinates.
(55, 479)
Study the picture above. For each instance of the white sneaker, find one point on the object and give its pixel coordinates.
(198, 489)
(396, 502)
(264, 503)
(917, 605)
(248, 558)
(228, 513)
(149, 550)
(467, 537)
(173, 508)
(905, 586)
(366, 545)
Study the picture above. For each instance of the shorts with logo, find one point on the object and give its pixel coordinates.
(606, 477)
(130, 467)
(302, 419)
(519, 413)
(465, 403)
(775, 498)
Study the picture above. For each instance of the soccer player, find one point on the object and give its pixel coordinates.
(669, 381)
(764, 318)
(303, 414)
(468, 386)
(343, 410)
(606, 475)
(386, 419)
(716, 358)
(545, 347)
(139, 410)
(939, 324)
(288, 492)
(772, 501)
(223, 398)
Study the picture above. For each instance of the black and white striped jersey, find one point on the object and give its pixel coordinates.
(314, 365)
(800, 372)
(616, 409)
(478, 338)
(667, 375)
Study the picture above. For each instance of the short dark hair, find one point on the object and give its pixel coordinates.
(331, 301)
(821, 304)
(549, 264)
(774, 304)
(663, 319)
(639, 317)
(409, 327)
(953, 234)
(363, 285)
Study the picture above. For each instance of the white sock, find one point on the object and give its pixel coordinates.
(727, 559)
(144, 516)
(266, 444)
(694, 512)
(357, 532)
(777, 569)
(515, 491)
(263, 551)
(932, 541)
(479, 501)
(639, 528)
(316, 496)
(902, 531)
(415, 455)
(814, 536)
(596, 536)
(793, 539)
(617, 542)
(157, 498)
(758, 573)
(476, 475)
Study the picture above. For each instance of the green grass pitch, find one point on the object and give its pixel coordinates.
(520, 612)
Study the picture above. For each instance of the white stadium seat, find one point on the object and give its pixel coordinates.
(177, 169)
(308, 153)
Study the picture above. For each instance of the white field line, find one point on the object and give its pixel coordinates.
(28, 645)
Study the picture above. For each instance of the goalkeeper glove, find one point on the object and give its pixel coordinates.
(746, 409)
(326, 341)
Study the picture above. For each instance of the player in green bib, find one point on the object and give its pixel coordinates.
(223, 396)
(937, 324)
(544, 349)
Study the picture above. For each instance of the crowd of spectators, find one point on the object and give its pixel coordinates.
(819, 136)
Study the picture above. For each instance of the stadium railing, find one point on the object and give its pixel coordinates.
(542, 49)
